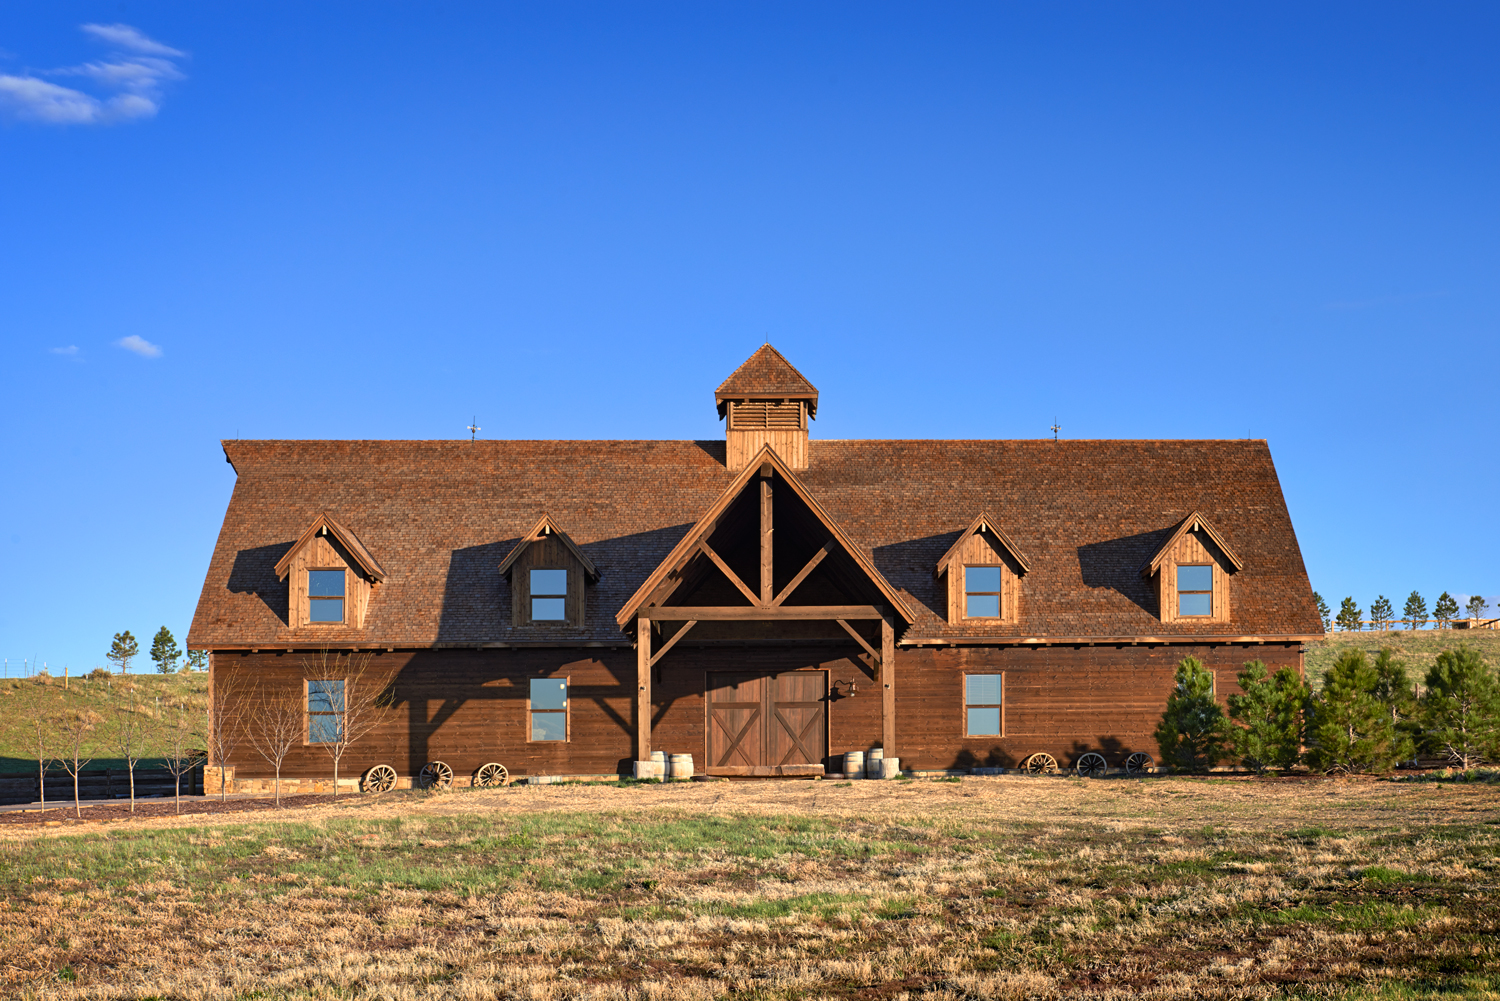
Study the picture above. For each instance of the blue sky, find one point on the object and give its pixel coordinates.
(573, 220)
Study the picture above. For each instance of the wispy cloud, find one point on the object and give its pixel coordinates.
(140, 346)
(131, 80)
(71, 349)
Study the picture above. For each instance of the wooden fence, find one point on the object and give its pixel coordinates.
(1379, 625)
(101, 783)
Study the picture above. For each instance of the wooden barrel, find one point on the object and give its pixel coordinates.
(680, 766)
(660, 757)
(873, 757)
(854, 764)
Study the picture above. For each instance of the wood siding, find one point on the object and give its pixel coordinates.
(1194, 548)
(753, 423)
(322, 553)
(981, 549)
(547, 553)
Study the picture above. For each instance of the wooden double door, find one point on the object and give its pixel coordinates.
(767, 724)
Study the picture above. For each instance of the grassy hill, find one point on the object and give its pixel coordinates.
(23, 700)
(1419, 648)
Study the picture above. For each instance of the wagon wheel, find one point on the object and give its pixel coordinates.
(381, 778)
(491, 774)
(435, 775)
(1041, 763)
(1337, 772)
(1092, 765)
(1139, 763)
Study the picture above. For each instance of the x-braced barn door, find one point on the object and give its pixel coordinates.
(767, 724)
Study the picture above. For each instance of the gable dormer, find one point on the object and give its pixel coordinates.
(1191, 573)
(548, 577)
(983, 571)
(330, 576)
(766, 402)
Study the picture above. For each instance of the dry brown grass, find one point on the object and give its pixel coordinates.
(995, 887)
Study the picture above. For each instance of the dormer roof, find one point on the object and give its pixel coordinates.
(1193, 522)
(766, 375)
(981, 524)
(324, 524)
(545, 526)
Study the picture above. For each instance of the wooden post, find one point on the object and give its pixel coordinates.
(888, 687)
(766, 593)
(643, 690)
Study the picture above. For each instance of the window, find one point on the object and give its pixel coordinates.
(984, 695)
(549, 596)
(325, 710)
(325, 596)
(982, 592)
(1195, 590)
(549, 708)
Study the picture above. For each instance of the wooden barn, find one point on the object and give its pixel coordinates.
(764, 603)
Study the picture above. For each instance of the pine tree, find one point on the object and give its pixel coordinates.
(164, 651)
(1445, 609)
(1270, 712)
(1476, 606)
(122, 651)
(197, 660)
(1323, 611)
(1461, 708)
(1381, 613)
(1349, 616)
(1415, 610)
(1396, 692)
(1191, 734)
(1347, 726)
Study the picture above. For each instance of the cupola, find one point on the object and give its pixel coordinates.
(766, 402)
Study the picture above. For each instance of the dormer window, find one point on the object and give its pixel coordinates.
(982, 591)
(1195, 590)
(325, 596)
(549, 595)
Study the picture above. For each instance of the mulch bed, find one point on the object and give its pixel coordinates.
(62, 816)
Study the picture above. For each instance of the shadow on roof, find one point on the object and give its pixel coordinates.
(254, 572)
(1115, 564)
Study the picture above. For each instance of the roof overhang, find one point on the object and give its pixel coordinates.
(324, 524)
(544, 528)
(983, 523)
(1192, 522)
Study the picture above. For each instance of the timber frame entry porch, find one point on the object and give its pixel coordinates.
(730, 555)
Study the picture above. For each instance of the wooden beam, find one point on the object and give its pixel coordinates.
(802, 574)
(888, 687)
(710, 613)
(669, 644)
(734, 577)
(643, 689)
(860, 640)
(765, 537)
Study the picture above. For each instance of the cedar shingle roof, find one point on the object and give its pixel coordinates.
(766, 375)
(441, 515)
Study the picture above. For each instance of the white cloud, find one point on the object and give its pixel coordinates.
(140, 346)
(71, 349)
(136, 78)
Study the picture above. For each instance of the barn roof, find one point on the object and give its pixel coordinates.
(442, 515)
(766, 375)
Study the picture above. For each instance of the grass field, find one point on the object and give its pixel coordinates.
(980, 888)
(1419, 648)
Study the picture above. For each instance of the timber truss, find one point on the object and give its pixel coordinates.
(765, 562)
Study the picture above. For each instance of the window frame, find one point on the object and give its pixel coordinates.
(999, 595)
(967, 705)
(1177, 571)
(531, 597)
(566, 711)
(343, 598)
(308, 714)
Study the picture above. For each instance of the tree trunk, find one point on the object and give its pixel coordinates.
(177, 792)
(77, 808)
(130, 767)
(335, 776)
(278, 784)
(41, 782)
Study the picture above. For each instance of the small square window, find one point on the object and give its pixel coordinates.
(982, 592)
(984, 695)
(325, 596)
(549, 595)
(325, 710)
(549, 709)
(1195, 590)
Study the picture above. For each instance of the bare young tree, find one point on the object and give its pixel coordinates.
(277, 722)
(223, 728)
(76, 730)
(39, 735)
(346, 700)
(180, 745)
(130, 732)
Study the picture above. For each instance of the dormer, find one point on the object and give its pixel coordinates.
(548, 577)
(1190, 573)
(983, 572)
(330, 576)
(766, 402)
